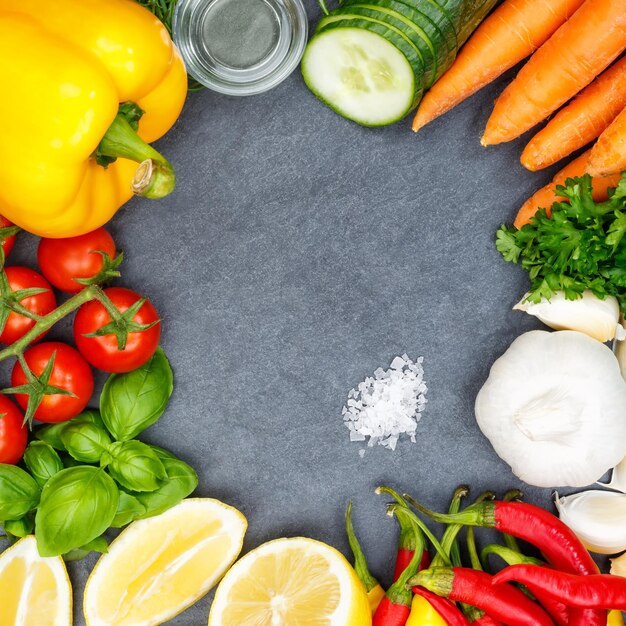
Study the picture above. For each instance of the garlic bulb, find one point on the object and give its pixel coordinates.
(590, 315)
(554, 408)
(598, 518)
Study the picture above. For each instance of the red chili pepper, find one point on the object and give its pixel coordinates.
(446, 609)
(557, 610)
(395, 608)
(406, 540)
(557, 542)
(501, 602)
(598, 591)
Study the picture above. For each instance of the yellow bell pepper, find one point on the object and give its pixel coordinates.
(615, 619)
(423, 614)
(66, 66)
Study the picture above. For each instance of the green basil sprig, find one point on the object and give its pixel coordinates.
(131, 402)
(99, 544)
(19, 527)
(128, 510)
(51, 433)
(19, 493)
(135, 466)
(181, 482)
(77, 505)
(85, 442)
(42, 461)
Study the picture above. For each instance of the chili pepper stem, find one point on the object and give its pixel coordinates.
(436, 579)
(155, 177)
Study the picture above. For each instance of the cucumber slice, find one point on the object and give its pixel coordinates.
(398, 22)
(434, 13)
(393, 34)
(353, 68)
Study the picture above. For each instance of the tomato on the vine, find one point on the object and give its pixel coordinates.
(70, 371)
(62, 261)
(103, 351)
(7, 244)
(13, 433)
(41, 304)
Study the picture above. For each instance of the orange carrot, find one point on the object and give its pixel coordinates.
(581, 121)
(546, 196)
(511, 33)
(608, 156)
(577, 52)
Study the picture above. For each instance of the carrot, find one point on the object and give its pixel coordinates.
(581, 121)
(608, 156)
(546, 196)
(511, 33)
(577, 52)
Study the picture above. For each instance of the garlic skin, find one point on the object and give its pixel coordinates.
(597, 517)
(618, 477)
(590, 315)
(554, 408)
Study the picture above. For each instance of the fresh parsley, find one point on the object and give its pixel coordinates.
(581, 245)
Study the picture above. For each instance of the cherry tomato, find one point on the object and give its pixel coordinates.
(13, 434)
(102, 352)
(7, 245)
(70, 372)
(24, 278)
(63, 260)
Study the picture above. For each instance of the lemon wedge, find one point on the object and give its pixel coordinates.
(159, 566)
(35, 590)
(291, 582)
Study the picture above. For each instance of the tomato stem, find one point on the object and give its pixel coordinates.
(93, 292)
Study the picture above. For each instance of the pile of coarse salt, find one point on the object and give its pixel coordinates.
(387, 405)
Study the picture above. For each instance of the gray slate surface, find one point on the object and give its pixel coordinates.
(299, 253)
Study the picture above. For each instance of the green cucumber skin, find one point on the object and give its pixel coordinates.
(442, 46)
(381, 31)
(472, 18)
(399, 40)
(424, 49)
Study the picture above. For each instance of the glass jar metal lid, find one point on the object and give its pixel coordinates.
(240, 47)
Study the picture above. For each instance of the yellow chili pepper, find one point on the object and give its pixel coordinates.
(66, 66)
(423, 614)
(375, 596)
(615, 619)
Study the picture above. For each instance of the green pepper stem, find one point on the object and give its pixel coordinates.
(360, 562)
(436, 579)
(155, 177)
(407, 539)
(510, 557)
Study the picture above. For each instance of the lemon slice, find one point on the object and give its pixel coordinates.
(35, 590)
(161, 565)
(291, 582)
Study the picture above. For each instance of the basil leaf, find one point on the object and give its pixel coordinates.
(135, 466)
(128, 509)
(42, 461)
(19, 493)
(99, 544)
(181, 481)
(85, 442)
(77, 505)
(51, 434)
(131, 402)
(19, 527)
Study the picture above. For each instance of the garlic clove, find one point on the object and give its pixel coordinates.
(589, 314)
(597, 517)
(618, 477)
